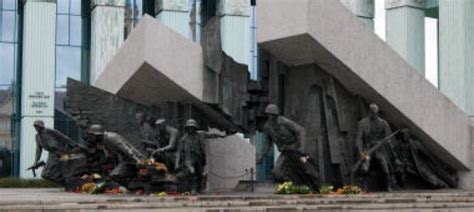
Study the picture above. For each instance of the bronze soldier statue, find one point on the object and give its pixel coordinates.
(166, 137)
(416, 161)
(147, 132)
(288, 136)
(56, 144)
(370, 131)
(191, 156)
(118, 149)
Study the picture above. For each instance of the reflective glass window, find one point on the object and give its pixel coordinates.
(8, 4)
(62, 30)
(7, 61)
(68, 63)
(75, 30)
(68, 42)
(75, 7)
(63, 6)
(7, 23)
(133, 14)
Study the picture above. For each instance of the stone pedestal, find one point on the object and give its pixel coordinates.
(405, 30)
(107, 33)
(38, 75)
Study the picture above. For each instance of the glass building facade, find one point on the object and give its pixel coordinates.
(9, 60)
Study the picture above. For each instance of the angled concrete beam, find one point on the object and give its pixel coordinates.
(325, 33)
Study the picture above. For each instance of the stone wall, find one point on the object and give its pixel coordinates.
(89, 105)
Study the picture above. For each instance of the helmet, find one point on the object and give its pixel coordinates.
(160, 121)
(38, 123)
(191, 123)
(374, 108)
(272, 109)
(96, 129)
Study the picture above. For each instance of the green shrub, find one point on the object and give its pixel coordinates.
(13, 182)
(290, 188)
(326, 189)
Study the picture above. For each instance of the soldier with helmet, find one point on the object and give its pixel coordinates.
(370, 131)
(119, 149)
(288, 136)
(56, 143)
(191, 155)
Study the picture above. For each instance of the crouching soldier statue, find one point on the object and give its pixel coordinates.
(118, 149)
(191, 156)
(292, 164)
(56, 144)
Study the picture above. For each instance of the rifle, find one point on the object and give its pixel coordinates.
(370, 151)
(36, 166)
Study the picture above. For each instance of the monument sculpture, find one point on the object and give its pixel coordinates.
(370, 131)
(415, 160)
(119, 150)
(167, 137)
(173, 157)
(288, 136)
(56, 144)
(191, 156)
(147, 132)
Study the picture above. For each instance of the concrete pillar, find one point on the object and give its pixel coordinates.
(174, 14)
(107, 33)
(405, 30)
(38, 75)
(456, 52)
(235, 28)
(363, 9)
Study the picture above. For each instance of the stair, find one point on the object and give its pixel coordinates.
(55, 200)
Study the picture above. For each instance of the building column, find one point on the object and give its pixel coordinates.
(363, 9)
(107, 33)
(405, 30)
(38, 76)
(175, 15)
(235, 28)
(456, 52)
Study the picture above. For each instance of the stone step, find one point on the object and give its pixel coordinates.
(454, 201)
(256, 186)
(452, 206)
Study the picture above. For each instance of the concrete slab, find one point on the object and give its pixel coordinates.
(325, 33)
(154, 51)
(229, 161)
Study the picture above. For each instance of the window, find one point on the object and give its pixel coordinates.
(8, 64)
(68, 42)
(133, 14)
